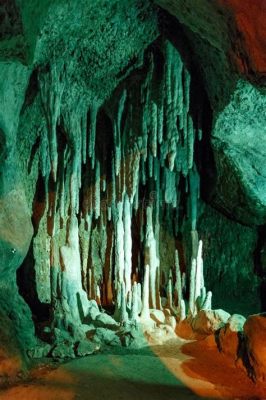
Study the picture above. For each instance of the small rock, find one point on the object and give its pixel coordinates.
(157, 316)
(184, 330)
(39, 351)
(160, 334)
(106, 321)
(167, 312)
(87, 328)
(210, 341)
(208, 321)
(164, 301)
(61, 335)
(171, 321)
(229, 335)
(236, 323)
(63, 350)
(93, 311)
(106, 336)
(134, 339)
(85, 347)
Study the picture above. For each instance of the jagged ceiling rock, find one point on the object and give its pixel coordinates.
(96, 39)
(231, 50)
(250, 43)
(235, 28)
(12, 40)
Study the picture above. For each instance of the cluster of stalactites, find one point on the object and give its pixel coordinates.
(152, 146)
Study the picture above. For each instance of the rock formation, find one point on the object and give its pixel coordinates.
(132, 143)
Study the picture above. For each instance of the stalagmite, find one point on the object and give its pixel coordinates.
(199, 273)
(127, 244)
(207, 305)
(145, 312)
(119, 244)
(182, 310)
(192, 285)
(178, 284)
(170, 291)
(135, 303)
(70, 257)
(123, 313)
(151, 256)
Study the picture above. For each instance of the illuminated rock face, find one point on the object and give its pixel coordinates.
(117, 126)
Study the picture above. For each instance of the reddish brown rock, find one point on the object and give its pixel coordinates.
(229, 335)
(250, 24)
(207, 322)
(255, 332)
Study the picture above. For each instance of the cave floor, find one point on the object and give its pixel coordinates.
(175, 370)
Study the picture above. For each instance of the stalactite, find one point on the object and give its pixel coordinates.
(52, 85)
(194, 196)
(128, 190)
(178, 285)
(92, 134)
(97, 191)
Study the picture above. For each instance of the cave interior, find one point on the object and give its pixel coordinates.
(132, 183)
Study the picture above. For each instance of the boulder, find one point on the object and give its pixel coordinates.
(160, 335)
(255, 335)
(207, 322)
(105, 321)
(93, 311)
(171, 321)
(63, 350)
(157, 316)
(184, 330)
(85, 347)
(134, 338)
(40, 351)
(106, 336)
(230, 334)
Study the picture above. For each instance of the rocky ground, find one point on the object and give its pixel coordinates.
(178, 369)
